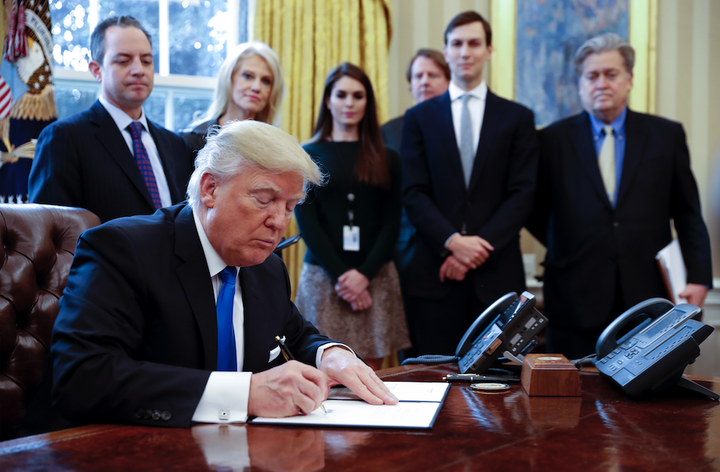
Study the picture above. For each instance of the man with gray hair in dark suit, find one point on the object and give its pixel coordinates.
(610, 182)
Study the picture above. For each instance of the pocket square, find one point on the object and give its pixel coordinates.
(274, 353)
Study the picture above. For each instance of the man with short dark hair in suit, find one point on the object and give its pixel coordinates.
(110, 159)
(469, 169)
(172, 318)
(610, 181)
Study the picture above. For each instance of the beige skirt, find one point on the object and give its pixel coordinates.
(373, 332)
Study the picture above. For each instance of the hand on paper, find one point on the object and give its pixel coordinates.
(287, 390)
(343, 367)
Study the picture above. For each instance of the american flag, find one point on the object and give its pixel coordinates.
(6, 99)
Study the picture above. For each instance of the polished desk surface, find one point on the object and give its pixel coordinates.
(603, 430)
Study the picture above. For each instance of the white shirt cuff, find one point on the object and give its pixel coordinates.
(225, 399)
(321, 350)
(447, 241)
(226, 395)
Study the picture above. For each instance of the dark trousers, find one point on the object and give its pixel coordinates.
(437, 326)
(576, 343)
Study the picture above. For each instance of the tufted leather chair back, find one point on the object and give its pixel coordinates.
(37, 243)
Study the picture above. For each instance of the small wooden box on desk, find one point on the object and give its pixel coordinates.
(550, 375)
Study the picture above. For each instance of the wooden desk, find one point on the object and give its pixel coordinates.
(601, 431)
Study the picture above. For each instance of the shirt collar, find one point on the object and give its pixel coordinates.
(214, 261)
(478, 92)
(618, 124)
(122, 119)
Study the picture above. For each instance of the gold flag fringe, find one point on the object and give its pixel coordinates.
(5, 129)
(39, 106)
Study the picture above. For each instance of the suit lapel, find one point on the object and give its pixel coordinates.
(162, 146)
(442, 120)
(256, 325)
(636, 139)
(492, 116)
(197, 284)
(582, 139)
(111, 138)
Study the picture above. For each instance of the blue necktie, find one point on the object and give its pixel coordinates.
(227, 355)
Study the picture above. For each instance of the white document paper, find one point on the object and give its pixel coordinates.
(418, 407)
(674, 273)
(404, 391)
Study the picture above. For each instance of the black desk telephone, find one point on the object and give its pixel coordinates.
(653, 355)
(508, 325)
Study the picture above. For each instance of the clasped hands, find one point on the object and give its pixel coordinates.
(352, 287)
(468, 252)
(294, 387)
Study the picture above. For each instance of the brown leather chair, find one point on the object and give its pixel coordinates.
(37, 243)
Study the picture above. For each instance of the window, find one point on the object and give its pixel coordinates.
(190, 40)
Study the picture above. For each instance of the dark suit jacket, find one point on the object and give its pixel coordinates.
(84, 161)
(137, 325)
(494, 207)
(392, 133)
(196, 137)
(590, 244)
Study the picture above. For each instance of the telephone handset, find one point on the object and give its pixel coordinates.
(482, 321)
(510, 324)
(653, 355)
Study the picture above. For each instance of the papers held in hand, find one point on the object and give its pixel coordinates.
(672, 268)
(419, 405)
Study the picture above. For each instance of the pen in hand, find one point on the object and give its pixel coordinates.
(289, 357)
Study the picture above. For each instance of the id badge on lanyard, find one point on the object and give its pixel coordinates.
(351, 233)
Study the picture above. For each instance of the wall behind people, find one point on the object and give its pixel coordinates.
(688, 57)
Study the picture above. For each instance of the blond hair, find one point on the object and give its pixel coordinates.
(223, 88)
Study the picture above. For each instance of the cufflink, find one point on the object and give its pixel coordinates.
(224, 415)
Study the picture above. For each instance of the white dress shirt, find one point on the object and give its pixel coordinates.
(476, 106)
(123, 120)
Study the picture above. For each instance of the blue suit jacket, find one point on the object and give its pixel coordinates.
(83, 161)
(137, 325)
(495, 205)
(590, 244)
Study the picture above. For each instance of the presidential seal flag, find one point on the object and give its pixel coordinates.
(27, 100)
